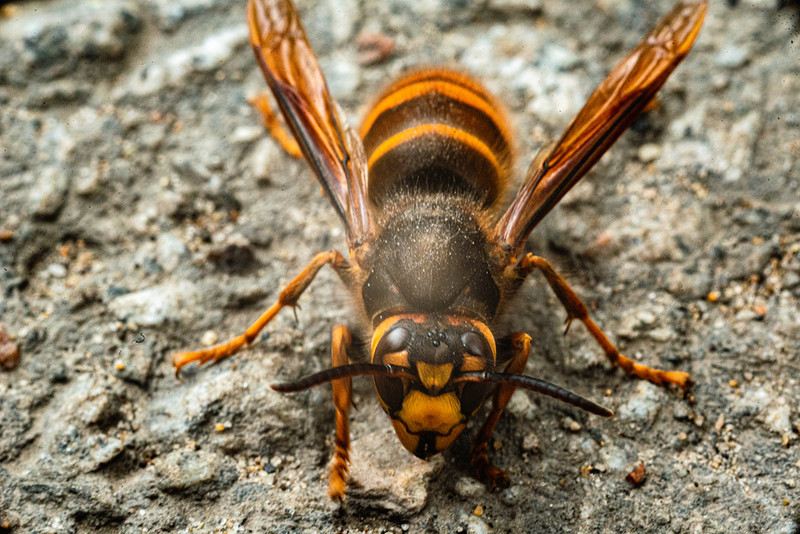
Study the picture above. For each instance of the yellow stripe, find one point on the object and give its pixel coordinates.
(445, 88)
(443, 130)
(457, 78)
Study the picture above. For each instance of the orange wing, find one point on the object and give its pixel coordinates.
(292, 72)
(609, 111)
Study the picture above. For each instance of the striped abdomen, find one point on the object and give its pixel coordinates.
(437, 130)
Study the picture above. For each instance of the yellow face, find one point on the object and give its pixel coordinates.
(429, 413)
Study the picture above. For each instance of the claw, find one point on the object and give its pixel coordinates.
(567, 324)
(494, 477)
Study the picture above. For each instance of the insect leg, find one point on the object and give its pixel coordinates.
(288, 297)
(342, 399)
(495, 477)
(577, 310)
(276, 128)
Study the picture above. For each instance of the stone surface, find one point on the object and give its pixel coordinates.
(144, 206)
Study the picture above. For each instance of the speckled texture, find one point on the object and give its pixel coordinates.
(144, 212)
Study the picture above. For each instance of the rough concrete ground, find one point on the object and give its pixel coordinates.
(144, 211)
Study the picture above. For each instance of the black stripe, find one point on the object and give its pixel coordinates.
(434, 107)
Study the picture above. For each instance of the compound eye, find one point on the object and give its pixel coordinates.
(395, 340)
(476, 345)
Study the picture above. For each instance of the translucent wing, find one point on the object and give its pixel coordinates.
(292, 72)
(609, 111)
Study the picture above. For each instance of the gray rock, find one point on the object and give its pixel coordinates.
(733, 56)
(689, 285)
(528, 7)
(134, 362)
(163, 72)
(57, 93)
(170, 14)
(643, 406)
(777, 417)
(48, 195)
(53, 43)
(156, 305)
(183, 470)
(616, 458)
(383, 474)
(751, 402)
(89, 181)
(170, 252)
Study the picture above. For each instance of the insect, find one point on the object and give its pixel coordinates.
(434, 259)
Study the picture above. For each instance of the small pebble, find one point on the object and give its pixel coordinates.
(209, 338)
(49, 193)
(720, 422)
(468, 488)
(699, 420)
(247, 133)
(646, 318)
(530, 443)
(649, 152)
(637, 476)
(681, 412)
(475, 525)
(510, 496)
(568, 423)
(777, 417)
(643, 405)
(9, 351)
(661, 334)
(170, 252)
(57, 270)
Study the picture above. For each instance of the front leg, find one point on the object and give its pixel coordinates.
(577, 310)
(342, 399)
(288, 297)
(494, 476)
